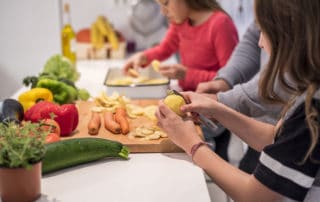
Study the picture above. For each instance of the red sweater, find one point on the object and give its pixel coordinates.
(203, 49)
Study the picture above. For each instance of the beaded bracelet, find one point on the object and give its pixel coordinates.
(195, 147)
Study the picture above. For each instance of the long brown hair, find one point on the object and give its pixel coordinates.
(292, 27)
(204, 5)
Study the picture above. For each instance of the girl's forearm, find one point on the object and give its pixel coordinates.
(222, 173)
(237, 184)
(255, 133)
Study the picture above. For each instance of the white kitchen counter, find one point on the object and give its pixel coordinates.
(148, 177)
(143, 178)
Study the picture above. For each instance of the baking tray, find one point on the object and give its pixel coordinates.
(137, 89)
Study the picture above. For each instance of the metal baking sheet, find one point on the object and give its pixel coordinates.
(137, 90)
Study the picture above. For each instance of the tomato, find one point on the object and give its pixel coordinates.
(83, 36)
(51, 126)
(52, 137)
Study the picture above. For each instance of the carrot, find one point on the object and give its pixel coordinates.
(121, 118)
(94, 123)
(110, 124)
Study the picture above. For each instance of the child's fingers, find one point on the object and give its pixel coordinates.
(164, 67)
(126, 67)
(164, 110)
(187, 108)
(159, 114)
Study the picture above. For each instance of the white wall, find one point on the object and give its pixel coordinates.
(29, 35)
(241, 19)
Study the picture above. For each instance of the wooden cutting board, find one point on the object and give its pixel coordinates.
(163, 145)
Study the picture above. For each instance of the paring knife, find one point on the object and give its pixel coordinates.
(203, 120)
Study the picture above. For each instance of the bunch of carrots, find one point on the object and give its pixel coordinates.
(114, 122)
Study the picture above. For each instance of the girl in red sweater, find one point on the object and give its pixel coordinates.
(201, 32)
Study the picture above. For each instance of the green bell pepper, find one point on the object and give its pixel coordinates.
(62, 92)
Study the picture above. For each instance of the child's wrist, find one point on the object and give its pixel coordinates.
(195, 147)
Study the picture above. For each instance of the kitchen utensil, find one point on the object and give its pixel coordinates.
(146, 17)
(137, 89)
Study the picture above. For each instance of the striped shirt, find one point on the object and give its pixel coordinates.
(280, 166)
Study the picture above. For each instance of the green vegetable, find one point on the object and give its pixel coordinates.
(33, 80)
(59, 76)
(45, 75)
(61, 67)
(68, 82)
(30, 80)
(21, 146)
(72, 152)
(83, 94)
(62, 93)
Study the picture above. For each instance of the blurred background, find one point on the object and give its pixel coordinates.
(30, 30)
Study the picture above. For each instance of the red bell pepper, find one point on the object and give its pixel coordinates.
(66, 115)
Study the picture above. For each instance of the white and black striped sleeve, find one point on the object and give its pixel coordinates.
(280, 166)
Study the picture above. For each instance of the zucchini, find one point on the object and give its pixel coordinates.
(72, 152)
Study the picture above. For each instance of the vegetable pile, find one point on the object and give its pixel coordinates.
(51, 99)
(59, 76)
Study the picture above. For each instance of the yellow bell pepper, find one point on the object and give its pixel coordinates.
(31, 97)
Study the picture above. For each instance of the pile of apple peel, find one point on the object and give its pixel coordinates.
(147, 133)
(110, 103)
